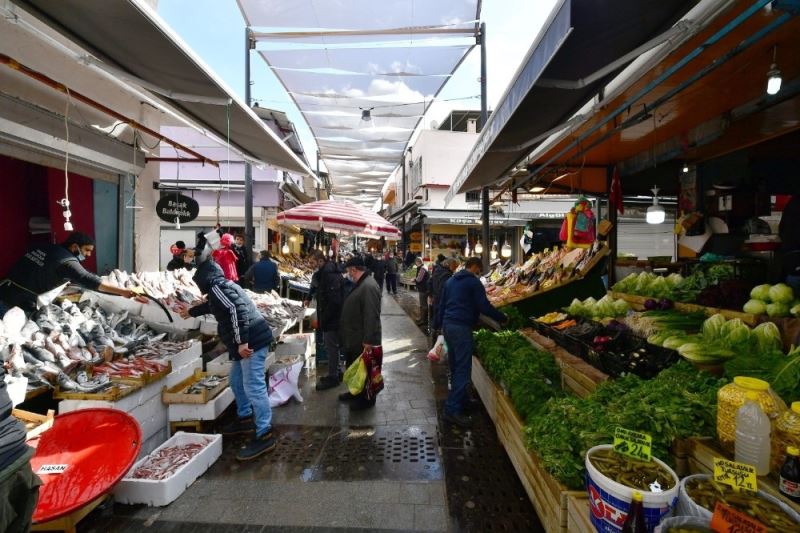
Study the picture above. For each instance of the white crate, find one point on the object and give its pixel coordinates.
(208, 325)
(163, 492)
(296, 344)
(127, 403)
(179, 374)
(211, 410)
(152, 414)
(153, 442)
(220, 365)
(182, 358)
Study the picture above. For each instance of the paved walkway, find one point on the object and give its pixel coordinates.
(333, 470)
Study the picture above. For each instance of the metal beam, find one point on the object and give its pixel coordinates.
(484, 117)
(249, 236)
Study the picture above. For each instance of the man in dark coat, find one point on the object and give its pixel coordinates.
(243, 260)
(441, 273)
(360, 324)
(463, 300)
(19, 486)
(422, 283)
(329, 292)
(379, 270)
(391, 274)
(264, 274)
(247, 337)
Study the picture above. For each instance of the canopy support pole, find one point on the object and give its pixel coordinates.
(248, 169)
(484, 118)
(612, 235)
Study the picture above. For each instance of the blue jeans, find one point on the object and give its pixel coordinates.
(249, 383)
(460, 348)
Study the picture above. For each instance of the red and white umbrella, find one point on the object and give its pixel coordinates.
(340, 216)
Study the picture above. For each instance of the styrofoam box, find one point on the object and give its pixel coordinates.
(210, 410)
(153, 313)
(179, 374)
(152, 415)
(153, 442)
(208, 326)
(127, 403)
(118, 304)
(163, 492)
(296, 344)
(221, 365)
(181, 358)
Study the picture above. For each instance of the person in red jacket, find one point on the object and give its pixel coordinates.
(226, 258)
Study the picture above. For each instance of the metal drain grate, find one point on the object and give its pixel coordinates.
(396, 448)
(298, 446)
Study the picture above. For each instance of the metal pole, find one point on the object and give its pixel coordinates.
(484, 117)
(612, 236)
(248, 170)
(319, 178)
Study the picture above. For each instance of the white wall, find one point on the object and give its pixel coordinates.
(443, 154)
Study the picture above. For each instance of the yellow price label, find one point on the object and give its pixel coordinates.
(737, 475)
(633, 444)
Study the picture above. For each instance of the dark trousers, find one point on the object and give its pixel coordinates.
(19, 492)
(391, 283)
(331, 341)
(380, 284)
(423, 307)
(460, 347)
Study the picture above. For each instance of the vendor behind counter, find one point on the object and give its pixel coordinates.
(39, 275)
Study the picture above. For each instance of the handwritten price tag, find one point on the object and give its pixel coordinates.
(51, 469)
(737, 475)
(728, 520)
(633, 444)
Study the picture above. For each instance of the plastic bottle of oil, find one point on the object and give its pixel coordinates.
(790, 475)
(752, 435)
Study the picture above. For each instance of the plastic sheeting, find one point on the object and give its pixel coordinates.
(338, 60)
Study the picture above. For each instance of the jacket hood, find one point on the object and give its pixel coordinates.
(226, 240)
(206, 275)
(461, 274)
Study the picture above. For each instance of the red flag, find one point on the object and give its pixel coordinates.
(615, 196)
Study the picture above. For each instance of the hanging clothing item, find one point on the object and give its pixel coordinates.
(578, 229)
(226, 259)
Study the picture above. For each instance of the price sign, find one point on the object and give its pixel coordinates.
(737, 475)
(728, 520)
(633, 444)
(51, 469)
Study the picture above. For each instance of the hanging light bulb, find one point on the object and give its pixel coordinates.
(493, 253)
(655, 213)
(479, 248)
(505, 251)
(366, 114)
(285, 248)
(774, 79)
(177, 223)
(685, 168)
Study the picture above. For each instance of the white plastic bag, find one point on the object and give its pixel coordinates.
(439, 350)
(283, 384)
(682, 521)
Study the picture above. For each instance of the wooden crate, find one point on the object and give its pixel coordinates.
(112, 394)
(35, 424)
(176, 393)
(578, 514)
(485, 388)
(549, 497)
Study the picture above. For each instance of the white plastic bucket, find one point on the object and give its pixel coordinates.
(682, 522)
(610, 501)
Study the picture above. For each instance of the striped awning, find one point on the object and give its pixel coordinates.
(339, 216)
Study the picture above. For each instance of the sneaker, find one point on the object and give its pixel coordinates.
(239, 426)
(462, 421)
(360, 404)
(258, 447)
(346, 397)
(328, 382)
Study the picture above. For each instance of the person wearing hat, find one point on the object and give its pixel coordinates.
(422, 281)
(247, 336)
(360, 324)
(45, 268)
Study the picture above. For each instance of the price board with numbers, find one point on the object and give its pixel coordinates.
(728, 520)
(740, 476)
(634, 444)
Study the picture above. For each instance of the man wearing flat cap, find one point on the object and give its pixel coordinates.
(360, 330)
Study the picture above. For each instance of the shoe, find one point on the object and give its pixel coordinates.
(328, 382)
(346, 397)
(360, 404)
(258, 447)
(239, 426)
(472, 405)
(462, 421)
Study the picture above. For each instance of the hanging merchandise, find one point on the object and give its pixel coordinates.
(578, 228)
(526, 241)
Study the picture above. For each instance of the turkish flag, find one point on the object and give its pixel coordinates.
(615, 196)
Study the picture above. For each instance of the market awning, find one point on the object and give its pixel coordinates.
(472, 217)
(580, 38)
(127, 35)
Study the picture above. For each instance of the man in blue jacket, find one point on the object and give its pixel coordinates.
(264, 274)
(463, 301)
(247, 337)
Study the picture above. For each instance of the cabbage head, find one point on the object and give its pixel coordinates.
(760, 292)
(755, 307)
(777, 310)
(712, 327)
(768, 336)
(781, 293)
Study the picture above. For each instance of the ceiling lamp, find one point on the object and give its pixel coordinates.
(655, 213)
(685, 168)
(505, 251)
(537, 189)
(493, 253)
(366, 114)
(285, 249)
(479, 248)
(774, 79)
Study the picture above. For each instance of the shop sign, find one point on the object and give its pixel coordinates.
(178, 206)
(415, 246)
(416, 236)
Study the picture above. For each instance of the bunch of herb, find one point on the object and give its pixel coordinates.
(515, 319)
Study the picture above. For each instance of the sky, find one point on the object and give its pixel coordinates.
(215, 30)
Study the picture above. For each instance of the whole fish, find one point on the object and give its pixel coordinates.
(39, 353)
